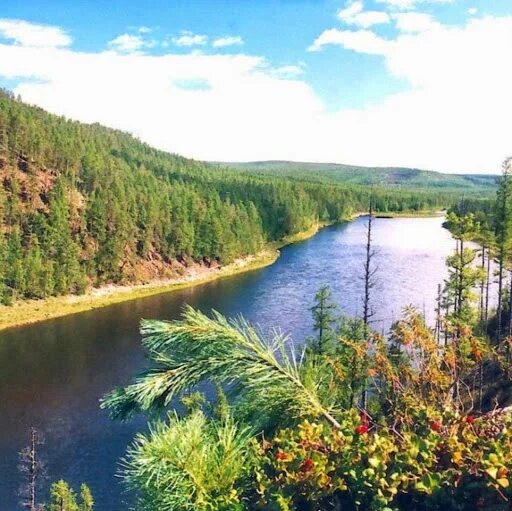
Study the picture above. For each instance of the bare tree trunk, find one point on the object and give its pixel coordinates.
(500, 295)
(482, 287)
(484, 312)
(461, 276)
(458, 305)
(446, 313)
(509, 319)
(456, 297)
(438, 315)
(32, 468)
(369, 273)
(487, 286)
(353, 370)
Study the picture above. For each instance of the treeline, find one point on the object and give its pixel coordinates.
(489, 223)
(84, 205)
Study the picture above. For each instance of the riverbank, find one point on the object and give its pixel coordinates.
(34, 311)
(411, 214)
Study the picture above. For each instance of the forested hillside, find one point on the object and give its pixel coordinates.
(84, 205)
(394, 177)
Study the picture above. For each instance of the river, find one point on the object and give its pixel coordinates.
(52, 374)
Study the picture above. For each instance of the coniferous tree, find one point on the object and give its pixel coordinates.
(62, 497)
(503, 236)
(87, 500)
(324, 321)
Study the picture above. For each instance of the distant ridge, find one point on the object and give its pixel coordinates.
(401, 177)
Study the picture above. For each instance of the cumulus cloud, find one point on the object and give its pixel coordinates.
(414, 22)
(222, 42)
(33, 34)
(411, 4)
(354, 14)
(290, 70)
(456, 110)
(453, 114)
(204, 106)
(190, 39)
(127, 43)
(362, 41)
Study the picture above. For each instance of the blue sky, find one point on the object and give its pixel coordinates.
(369, 82)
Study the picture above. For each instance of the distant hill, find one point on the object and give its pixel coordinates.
(378, 176)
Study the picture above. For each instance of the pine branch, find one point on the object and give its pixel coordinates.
(199, 348)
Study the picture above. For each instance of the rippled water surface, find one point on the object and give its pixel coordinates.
(53, 374)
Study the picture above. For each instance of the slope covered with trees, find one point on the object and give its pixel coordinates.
(393, 177)
(85, 205)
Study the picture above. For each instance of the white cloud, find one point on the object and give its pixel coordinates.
(411, 4)
(352, 9)
(363, 41)
(289, 71)
(472, 11)
(222, 42)
(127, 43)
(414, 22)
(33, 34)
(455, 114)
(166, 108)
(457, 111)
(190, 39)
(144, 30)
(354, 14)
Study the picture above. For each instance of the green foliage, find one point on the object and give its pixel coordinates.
(63, 498)
(391, 177)
(200, 348)
(189, 463)
(420, 466)
(324, 322)
(415, 448)
(86, 497)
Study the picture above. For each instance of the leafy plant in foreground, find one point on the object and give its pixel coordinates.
(189, 463)
(413, 449)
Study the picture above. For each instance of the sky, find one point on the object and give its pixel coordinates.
(414, 83)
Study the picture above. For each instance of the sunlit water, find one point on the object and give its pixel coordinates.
(53, 374)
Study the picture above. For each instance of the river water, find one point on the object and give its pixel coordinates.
(52, 374)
